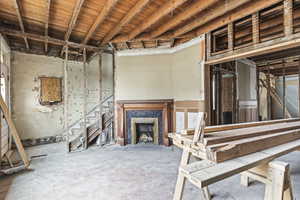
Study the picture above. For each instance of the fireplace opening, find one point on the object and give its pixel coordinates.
(144, 132)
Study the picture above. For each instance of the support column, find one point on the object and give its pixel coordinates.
(85, 134)
(66, 96)
(257, 93)
(288, 17)
(114, 97)
(100, 91)
(255, 28)
(269, 94)
(284, 92)
(299, 89)
(230, 36)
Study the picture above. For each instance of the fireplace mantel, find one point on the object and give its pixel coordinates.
(165, 106)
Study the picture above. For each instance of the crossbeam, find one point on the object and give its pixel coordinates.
(51, 40)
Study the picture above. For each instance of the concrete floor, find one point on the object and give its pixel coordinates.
(140, 172)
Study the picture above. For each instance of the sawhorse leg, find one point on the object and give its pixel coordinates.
(276, 176)
(281, 186)
(181, 179)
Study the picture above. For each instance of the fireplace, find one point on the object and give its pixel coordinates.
(147, 121)
(144, 130)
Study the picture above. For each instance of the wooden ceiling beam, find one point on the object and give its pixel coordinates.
(189, 12)
(51, 40)
(19, 15)
(73, 20)
(47, 23)
(222, 8)
(100, 18)
(161, 12)
(243, 11)
(125, 20)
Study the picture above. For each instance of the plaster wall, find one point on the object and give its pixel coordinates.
(177, 76)
(36, 121)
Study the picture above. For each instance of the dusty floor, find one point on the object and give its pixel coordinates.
(141, 172)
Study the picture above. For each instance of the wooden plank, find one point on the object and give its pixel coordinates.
(136, 9)
(204, 17)
(109, 5)
(66, 97)
(19, 15)
(14, 132)
(48, 3)
(85, 89)
(73, 21)
(165, 9)
(192, 10)
(255, 28)
(210, 129)
(288, 17)
(229, 136)
(229, 168)
(269, 105)
(227, 151)
(51, 40)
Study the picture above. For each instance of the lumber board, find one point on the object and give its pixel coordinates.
(227, 151)
(14, 133)
(210, 129)
(217, 172)
(231, 135)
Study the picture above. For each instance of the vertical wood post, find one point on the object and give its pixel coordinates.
(255, 28)
(288, 17)
(66, 114)
(208, 45)
(230, 36)
(85, 134)
(257, 93)
(234, 95)
(269, 94)
(100, 91)
(237, 95)
(284, 92)
(299, 89)
(114, 96)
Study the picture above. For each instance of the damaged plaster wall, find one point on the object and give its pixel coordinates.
(36, 121)
(32, 119)
(93, 79)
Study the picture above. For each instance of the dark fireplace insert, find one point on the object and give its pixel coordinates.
(144, 132)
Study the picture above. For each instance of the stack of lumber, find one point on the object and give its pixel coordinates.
(221, 143)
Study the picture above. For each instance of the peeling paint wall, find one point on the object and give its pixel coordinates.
(36, 121)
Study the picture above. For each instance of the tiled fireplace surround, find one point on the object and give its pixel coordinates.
(130, 112)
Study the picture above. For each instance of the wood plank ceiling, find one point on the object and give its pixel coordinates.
(46, 26)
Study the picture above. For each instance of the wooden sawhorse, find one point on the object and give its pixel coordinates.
(259, 166)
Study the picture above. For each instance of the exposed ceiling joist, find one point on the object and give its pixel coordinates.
(74, 17)
(210, 14)
(51, 40)
(48, 2)
(243, 11)
(72, 22)
(19, 15)
(161, 12)
(189, 12)
(125, 20)
(109, 5)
